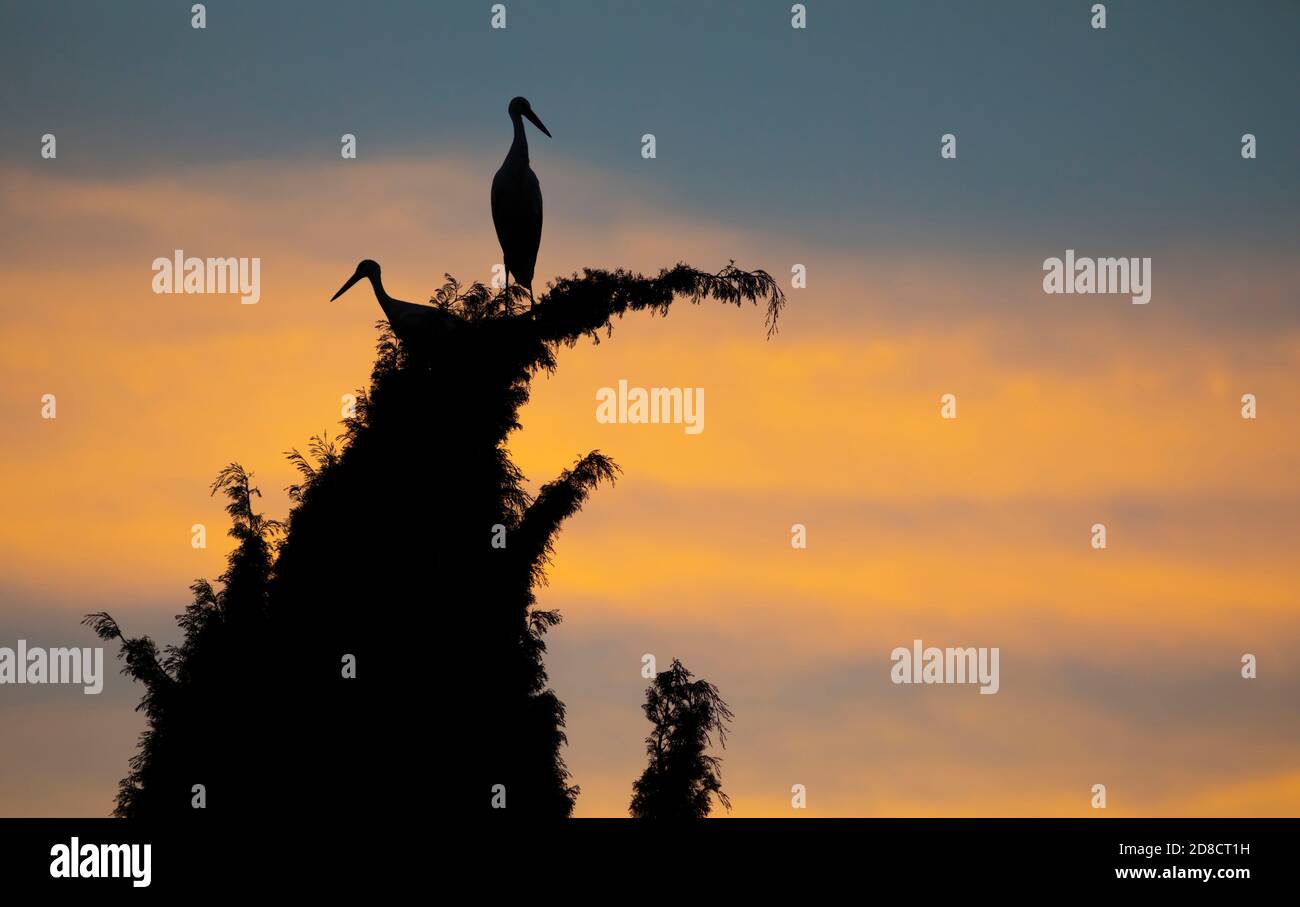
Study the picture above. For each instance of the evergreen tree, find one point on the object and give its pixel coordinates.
(682, 779)
(387, 560)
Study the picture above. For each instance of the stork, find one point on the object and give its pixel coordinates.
(410, 322)
(517, 201)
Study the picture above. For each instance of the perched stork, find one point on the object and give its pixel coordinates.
(410, 322)
(517, 201)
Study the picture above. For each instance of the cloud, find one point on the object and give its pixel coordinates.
(969, 532)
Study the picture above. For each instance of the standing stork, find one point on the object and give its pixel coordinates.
(410, 322)
(517, 201)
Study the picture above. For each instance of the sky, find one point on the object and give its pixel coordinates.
(774, 147)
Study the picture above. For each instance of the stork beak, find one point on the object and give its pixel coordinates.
(347, 286)
(538, 123)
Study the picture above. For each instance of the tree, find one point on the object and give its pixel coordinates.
(387, 559)
(682, 779)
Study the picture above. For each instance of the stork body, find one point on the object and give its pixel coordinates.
(410, 322)
(517, 201)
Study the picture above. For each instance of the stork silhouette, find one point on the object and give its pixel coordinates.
(517, 201)
(410, 322)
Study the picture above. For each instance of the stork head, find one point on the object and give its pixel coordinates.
(519, 107)
(367, 268)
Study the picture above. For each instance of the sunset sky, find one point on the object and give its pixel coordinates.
(775, 147)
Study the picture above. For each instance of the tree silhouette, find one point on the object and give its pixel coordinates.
(387, 558)
(682, 779)
(199, 697)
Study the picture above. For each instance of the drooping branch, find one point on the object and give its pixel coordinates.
(578, 306)
(237, 484)
(139, 654)
(556, 502)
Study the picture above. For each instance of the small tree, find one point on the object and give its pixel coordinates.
(681, 779)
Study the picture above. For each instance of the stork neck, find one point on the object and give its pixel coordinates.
(385, 301)
(519, 147)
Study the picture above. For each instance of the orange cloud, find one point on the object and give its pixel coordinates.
(969, 532)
